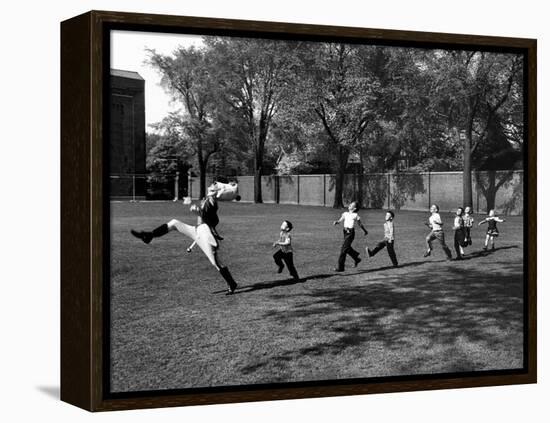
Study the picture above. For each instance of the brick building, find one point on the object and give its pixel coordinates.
(127, 135)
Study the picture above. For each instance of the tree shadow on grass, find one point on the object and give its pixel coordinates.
(473, 318)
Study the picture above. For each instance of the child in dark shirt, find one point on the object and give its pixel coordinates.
(492, 230)
(285, 253)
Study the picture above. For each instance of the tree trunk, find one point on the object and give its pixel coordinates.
(491, 190)
(467, 197)
(360, 180)
(258, 159)
(490, 185)
(338, 189)
(258, 185)
(340, 177)
(202, 179)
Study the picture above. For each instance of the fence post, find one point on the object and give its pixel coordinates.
(429, 189)
(176, 186)
(389, 190)
(298, 189)
(277, 188)
(477, 194)
(133, 187)
(324, 190)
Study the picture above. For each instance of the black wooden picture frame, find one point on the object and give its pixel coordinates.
(85, 219)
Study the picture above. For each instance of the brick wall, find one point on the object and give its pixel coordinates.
(127, 136)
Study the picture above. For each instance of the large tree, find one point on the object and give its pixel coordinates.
(473, 88)
(253, 77)
(339, 89)
(496, 161)
(186, 75)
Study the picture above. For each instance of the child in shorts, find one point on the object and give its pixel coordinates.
(492, 230)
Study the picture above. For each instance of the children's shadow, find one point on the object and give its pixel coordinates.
(289, 282)
(241, 289)
(475, 255)
(485, 253)
(508, 247)
(280, 282)
(379, 269)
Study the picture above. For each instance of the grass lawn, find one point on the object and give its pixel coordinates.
(173, 326)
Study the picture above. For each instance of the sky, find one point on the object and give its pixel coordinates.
(128, 53)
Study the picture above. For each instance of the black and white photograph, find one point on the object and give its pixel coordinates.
(254, 184)
(275, 211)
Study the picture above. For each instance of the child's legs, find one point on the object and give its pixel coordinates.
(378, 247)
(487, 240)
(441, 238)
(346, 246)
(391, 252)
(492, 239)
(353, 253)
(289, 260)
(459, 237)
(431, 236)
(278, 257)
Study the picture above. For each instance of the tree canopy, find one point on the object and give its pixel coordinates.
(257, 106)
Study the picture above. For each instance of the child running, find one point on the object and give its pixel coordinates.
(388, 241)
(492, 230)
(349, 218)
(458, 227)
(436, 225)
(285, 252)
(468, 223)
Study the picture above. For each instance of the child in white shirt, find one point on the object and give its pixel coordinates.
(389, 240)
(436, 225)
(350, 218)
